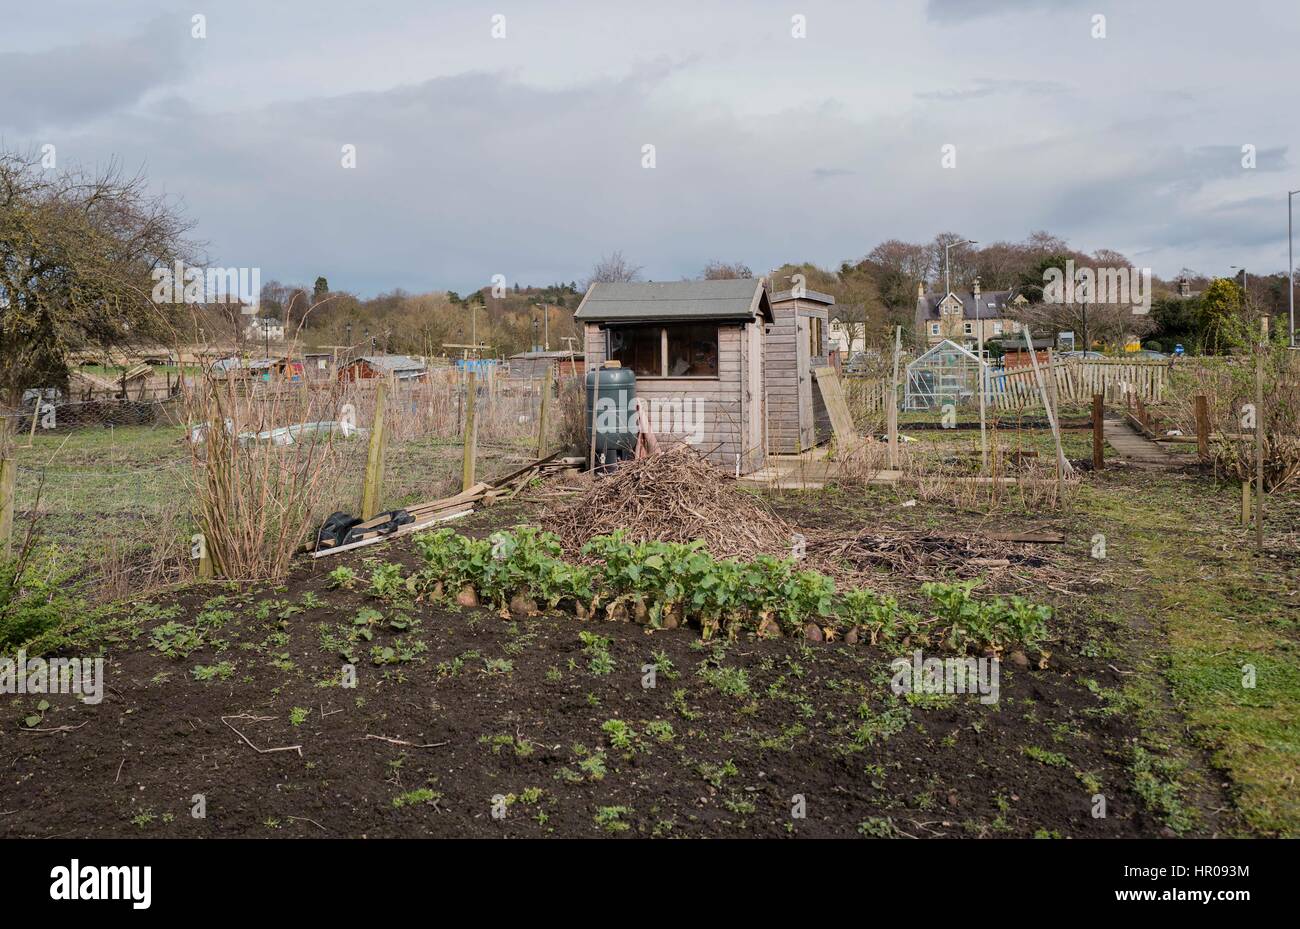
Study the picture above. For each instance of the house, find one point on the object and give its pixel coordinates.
(533, 365)
(797, 418)
(847, 338)
(697, 349)
(955, 316)
(367, 367)
(264, 329)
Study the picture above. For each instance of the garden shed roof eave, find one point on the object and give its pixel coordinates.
(685, 301)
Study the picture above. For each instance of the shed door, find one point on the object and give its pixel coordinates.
(803, 356)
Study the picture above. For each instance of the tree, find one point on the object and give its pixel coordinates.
(724, 271)
(1222, 317)
(76, 252)
(614, 269)
(321, 288)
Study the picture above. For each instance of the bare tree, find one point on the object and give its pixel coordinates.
(76, 252)
(614, 269)
(724, 271)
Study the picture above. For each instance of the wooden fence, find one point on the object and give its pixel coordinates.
(1076, 380)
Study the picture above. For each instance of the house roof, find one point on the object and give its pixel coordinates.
(992, 305)
(812, 296)
(737, 299)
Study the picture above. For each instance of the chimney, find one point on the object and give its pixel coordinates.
(977, 291)
(1184, 287)
(920, 290)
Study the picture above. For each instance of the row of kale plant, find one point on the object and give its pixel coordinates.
(667, 584)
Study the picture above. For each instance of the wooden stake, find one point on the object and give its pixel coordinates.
(1098, 432)
(1245, 503)
(891, 412)
(1259, 432)
(1062, 466)
(8, 473)
(1202, 426)
(471, 433)
(373, 488)
(544, 409)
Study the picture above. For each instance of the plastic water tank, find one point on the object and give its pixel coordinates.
(613, 387)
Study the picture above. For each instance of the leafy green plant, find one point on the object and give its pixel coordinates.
(343, 578)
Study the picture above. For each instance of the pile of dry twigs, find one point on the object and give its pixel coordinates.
(673, 496)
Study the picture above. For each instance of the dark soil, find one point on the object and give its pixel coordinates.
(510, 707)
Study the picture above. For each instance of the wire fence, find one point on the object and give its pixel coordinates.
(114, 484)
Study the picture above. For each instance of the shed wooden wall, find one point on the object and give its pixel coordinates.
(725, 408)
(782, 376)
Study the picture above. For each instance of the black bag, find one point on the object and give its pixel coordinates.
(379, 524)
(334, 530)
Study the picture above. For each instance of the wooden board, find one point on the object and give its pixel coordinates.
(832, 391)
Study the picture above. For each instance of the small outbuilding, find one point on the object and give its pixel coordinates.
(533, 365)
(697, 349)
(797, 419)
(366, 367)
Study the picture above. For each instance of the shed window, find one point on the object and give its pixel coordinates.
(815, 337)
(676, 350)
(637, 348)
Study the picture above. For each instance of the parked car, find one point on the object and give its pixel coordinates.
(1148, 355)
(1082, 355)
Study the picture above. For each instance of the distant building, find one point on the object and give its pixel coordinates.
(264, 329)
(534, 364)
(952, 316)
(257, 369)
(366, 367)
(847, 338)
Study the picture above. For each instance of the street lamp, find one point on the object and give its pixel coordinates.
(1245, 280)
(534, 333)
(947, 283)
(546, 327)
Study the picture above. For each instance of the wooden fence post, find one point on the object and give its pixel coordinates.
(471, 433)
(1202, 426)
(8, 474)
(1260, 353)
(544, 409)
(891, 412)
(373, 489)
(1098, 432)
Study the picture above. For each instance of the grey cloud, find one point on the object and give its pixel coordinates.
(65, 85)
(959, 10)
(988, 87)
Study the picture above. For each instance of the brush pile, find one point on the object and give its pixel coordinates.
(673, 496)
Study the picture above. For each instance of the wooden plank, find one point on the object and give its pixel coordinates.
(833, 396)
(404, 530)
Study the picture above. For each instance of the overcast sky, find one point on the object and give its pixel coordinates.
(522, 155)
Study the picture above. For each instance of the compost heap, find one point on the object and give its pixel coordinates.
(673, 496)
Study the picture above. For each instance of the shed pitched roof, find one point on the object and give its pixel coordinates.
(393, 362)
(737, 299)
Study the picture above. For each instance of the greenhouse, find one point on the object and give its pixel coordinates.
(947, 373)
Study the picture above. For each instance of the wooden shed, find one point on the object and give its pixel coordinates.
(697, 349)
(797, 419)
(533, 365)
